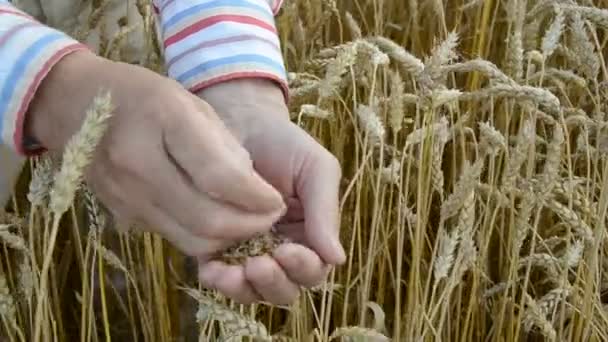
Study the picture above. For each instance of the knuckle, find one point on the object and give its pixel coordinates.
(163, 110)
(209, 180)
(118, 156)
(159, 115)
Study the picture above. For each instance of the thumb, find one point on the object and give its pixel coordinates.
(219, 167)
(318, 189)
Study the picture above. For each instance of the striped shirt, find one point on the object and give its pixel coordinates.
(204, 42)
(209, 41)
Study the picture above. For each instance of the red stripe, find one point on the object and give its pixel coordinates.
(17, 13)
(277, 6)
(46, 67)
(202, 24)
(218, 42)
(245, 74)
(8, 34)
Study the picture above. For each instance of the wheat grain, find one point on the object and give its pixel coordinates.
(515, 53)
(371, 123)
(407, 62)
(77, 154)
(536, 95)
(392, 173)
(550, 301)
(445, 255)
(236, 324)
(467, 251)
(552, 161)
(496, 289)
(396, 102)
(442, 54)
(534, 317)
(582, 48)
(111, 258)
(597, 16)
(314, 111)
(258, 245)
(353, 26)
(360, 333)
(40, 185)
(344, 59)
(490, 191)
(572, 218)
(486, 67)
(573, 254)
(545, 261)
(26, 278)
(515, 161)
(437, 129)
(566, 75)
(368, 52)
(467, 180)
(8, 311)
(13, 240)
(96, 218)
(492, 138)
(553, 34)
(443, 97)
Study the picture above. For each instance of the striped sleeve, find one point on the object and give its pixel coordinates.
(28, 50)
(211, 41)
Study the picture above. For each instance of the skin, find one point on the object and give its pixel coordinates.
(306, 175)
(202, 170)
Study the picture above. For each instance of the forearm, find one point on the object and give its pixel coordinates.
(209, 42)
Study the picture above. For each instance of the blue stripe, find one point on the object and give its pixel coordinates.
(213, 4)
(203, 67)
(18, 69)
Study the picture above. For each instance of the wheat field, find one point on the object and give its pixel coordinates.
(473, 137)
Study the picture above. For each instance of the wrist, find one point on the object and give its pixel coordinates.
(60, 102)
(247, 96)
(247, 106)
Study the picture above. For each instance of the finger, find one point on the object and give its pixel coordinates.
(180, 237)
(301, 265)
(199, 147)
(269, 280)
(168, 189)
(229, 280)
(207, 218)
(318, 190)
(142, 210)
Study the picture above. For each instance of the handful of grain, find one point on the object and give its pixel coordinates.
(258, 245)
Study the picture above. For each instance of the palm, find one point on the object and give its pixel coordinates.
(280, 159)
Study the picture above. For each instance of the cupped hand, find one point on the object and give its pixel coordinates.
(166, 160)
(306, 175)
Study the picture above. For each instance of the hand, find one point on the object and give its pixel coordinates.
(166, 159)
(307, 176)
